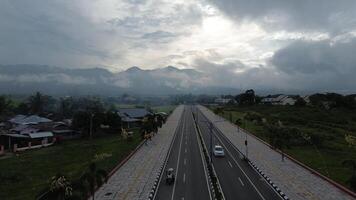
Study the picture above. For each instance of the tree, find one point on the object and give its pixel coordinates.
(238, 123)
(4, 104)
(22, 108)
(219, 110)
(113, 120)
(93, 179)
(159, 120)
(37, 103)
(60, 188)
(247, 98)
(279, 138)
(66, 108)
(300, 102)
(81, 121)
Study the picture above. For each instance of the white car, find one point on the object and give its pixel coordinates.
(218, 151)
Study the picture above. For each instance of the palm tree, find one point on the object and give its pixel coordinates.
(60, 188)
(93, 179)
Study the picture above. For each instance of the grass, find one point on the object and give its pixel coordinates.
(23, 176)
(166, 108)
(333, 124)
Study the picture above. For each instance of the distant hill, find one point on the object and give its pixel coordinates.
(26, 79)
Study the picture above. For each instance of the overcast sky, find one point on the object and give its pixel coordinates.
(266, 44)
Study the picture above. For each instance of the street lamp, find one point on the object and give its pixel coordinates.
(211, 142)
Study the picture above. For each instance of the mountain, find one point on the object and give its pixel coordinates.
(25, 79)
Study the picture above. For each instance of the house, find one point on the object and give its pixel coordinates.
(131, 117)
(278, 100)
(32, 119)
(28, 132)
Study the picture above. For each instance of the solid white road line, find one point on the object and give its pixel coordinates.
(180, 147)
(230, 164)
(241, 181)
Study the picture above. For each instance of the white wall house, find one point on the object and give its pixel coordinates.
(279, 100)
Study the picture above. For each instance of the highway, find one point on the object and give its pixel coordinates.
(238, 180)
(186, 159)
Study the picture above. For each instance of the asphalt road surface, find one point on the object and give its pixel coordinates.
(186, 159)
(237, 178)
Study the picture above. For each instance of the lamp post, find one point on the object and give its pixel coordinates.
(211, 142)
(246, 155)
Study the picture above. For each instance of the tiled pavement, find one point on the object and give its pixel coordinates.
(295, 181)
(134, 180)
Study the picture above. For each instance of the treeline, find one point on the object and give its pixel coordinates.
(84, 112)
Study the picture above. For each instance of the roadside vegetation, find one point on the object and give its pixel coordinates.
(321, 137)
(70, 169)
(30, 172)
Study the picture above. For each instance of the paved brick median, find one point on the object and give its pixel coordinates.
(295, 181)
(134, 180)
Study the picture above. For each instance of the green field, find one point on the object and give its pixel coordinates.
(167, 108)
(23, 176)
(164, 108)
(331, 125)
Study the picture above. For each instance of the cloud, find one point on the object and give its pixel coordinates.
(318, 65)
(324, 15)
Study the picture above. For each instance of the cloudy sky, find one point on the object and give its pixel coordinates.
(264, 44)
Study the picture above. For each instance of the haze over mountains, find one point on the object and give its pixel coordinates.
(25, 79)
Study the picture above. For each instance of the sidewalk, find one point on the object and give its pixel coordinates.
(134, 180)
(294, 180)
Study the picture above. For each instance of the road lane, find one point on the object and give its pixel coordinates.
(185, 158)
(238, 180)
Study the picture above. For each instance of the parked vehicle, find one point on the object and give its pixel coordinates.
(219, 151)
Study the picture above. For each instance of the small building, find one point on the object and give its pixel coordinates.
(28, 132)
(132, 117)
(278, 100)
(25, 120)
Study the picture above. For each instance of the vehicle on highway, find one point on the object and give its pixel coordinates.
(170, 177)
(219, 151)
